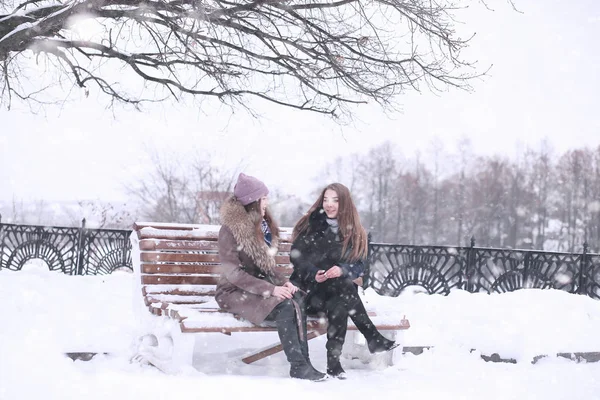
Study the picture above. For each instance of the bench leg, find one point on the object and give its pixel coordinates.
(171, 351)
(155, 350)
(183, 349)
(273, 349)
(356, 347)
(389, 356)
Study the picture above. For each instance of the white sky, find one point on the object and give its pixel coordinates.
(544, 84)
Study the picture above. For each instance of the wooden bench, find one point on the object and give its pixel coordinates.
(176, 270)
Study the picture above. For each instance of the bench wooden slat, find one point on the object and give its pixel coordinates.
(183, 293)
(180, 269)
(151, 244)
(178, 245)
(312, 322)
(284, 247)
(208, 329)
(213, 230)
(195, 269)
(188, 233)
(178, 299)
(179, 280)
(181, 235)
(182, 290)
(203, 308)
(314, 325)
(178, 257)
(191, 257)
(164, 225)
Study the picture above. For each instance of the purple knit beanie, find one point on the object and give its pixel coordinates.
(248, 189)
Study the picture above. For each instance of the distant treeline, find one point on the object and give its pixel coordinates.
(537, 200)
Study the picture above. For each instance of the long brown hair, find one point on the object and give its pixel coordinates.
(254, 208)
(352, 232)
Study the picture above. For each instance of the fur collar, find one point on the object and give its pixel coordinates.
(242, 225)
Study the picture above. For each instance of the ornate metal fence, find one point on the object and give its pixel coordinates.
(73, 251)
(437, 269)
(392, 268)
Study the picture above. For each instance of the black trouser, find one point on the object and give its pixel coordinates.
(338, 299)
(290, 317)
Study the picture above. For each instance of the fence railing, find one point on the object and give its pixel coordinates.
(73, 251)
(438, 269)
(392, 268)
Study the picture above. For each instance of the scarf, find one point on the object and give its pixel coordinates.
(266, 232)
(333, 225)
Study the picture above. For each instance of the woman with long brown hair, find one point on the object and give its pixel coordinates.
(249, 285)
(328, 252)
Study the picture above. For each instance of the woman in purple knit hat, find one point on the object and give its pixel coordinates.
(250, 286)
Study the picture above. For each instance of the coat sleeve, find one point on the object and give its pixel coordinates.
(353, 270)
(300, 257)
(231, 267)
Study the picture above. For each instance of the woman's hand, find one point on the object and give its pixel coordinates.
(334, 272)
(321, 276)
(293, 288)
(282, 292)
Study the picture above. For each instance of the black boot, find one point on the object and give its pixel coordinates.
(381, 344)
(287, 328)
(336, 371)
(337, 317)
(376, 342)
(304, 341)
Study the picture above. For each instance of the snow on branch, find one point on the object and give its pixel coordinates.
(310, 55)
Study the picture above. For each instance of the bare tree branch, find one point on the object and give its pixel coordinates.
(189, 191)
(309, 55)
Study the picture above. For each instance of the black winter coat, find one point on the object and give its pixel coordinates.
(319, 248)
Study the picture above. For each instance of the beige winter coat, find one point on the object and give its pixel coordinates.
(248, 274)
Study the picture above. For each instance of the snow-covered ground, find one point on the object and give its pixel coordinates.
(45, 314)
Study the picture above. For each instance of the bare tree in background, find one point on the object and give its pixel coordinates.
(541, 178)
(488, 201)
(308, 55)
(436, 148)
(344, 170)
(417, 193)
(183, 192)
(590, 202)
(98, 214)
(464, 156)
(35, 212)
(593, 224)
(538, 200)
(287, 209)
(517, 214)
(18, 213)
(378, 173)
(571, 171)
(212, 187)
